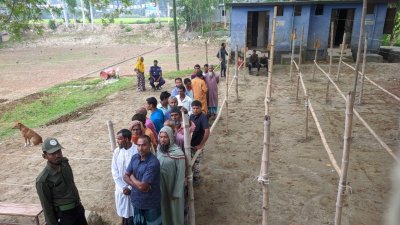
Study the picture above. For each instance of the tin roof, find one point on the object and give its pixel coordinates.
(301, 2)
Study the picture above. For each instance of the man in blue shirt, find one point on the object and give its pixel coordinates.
(156, 76)
(199, 137)
(143, 174)
(157, 115)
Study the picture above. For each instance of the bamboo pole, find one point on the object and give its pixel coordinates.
(324, 141)
(341, 55)
(363, 68)
(236, 73)
(316, 46)
(373, 83)
(297, 86)
(186, 132)
(345, 161)
(226, 95)
(263, 178)
(268, 94)
(206, 43)
(293, 36)
(111, 134)
(348, 126)
(385, 146)
(301, 46)
(330, 64)
(306, 117)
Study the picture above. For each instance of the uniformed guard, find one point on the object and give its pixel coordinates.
(56, 188)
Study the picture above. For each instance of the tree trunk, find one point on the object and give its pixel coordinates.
(65, 11)
(83, 13)
(91, 14)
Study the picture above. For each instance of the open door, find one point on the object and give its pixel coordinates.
(257, 29)
(343, 23)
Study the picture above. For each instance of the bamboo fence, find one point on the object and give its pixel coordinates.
(321, 133)
(372, 82)
(383, 144)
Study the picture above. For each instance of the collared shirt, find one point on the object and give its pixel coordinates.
(157, 117)
(175, 91)
(155, 71)
(120, 161)
(185, 103)
(146, 171)
(56, 187)
(163, 109)
(201, 123)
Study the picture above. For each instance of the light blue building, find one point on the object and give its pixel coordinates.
(251, 24)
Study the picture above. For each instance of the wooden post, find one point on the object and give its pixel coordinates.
(363, 68)
(348, 126)
(111, 135)
(206, 42)
(226, 94)
(345, 161)
(297, 86)
(306, 122)
(341, 55)
(330, 64)
(236, 73)
(301, 46)
(189, 171)
(293, 36)
(331, 47)
(263, 178)
(271, 61)
(316, 46)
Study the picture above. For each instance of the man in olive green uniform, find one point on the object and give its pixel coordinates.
(56, 188)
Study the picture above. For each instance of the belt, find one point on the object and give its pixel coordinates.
(66, 207)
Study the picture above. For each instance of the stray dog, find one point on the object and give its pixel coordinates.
(28, 134)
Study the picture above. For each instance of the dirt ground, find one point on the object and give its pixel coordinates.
(303, 183)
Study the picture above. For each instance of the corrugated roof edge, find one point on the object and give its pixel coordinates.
(306, 2)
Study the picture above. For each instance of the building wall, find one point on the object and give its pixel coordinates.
(314, 26)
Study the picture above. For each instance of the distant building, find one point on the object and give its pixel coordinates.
(251, 24)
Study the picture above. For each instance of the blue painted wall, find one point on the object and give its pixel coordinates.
(314, 26)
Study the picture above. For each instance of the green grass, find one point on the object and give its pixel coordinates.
(137, 20)
(175, 74)
(58, 101)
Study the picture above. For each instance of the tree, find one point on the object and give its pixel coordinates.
(18, 16)
(396, 26)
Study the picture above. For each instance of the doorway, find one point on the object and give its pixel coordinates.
(257, 29)
(343, 23)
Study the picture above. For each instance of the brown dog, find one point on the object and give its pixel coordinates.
(28, 134)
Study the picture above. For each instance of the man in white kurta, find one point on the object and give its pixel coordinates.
(184, 100)
(120, 161)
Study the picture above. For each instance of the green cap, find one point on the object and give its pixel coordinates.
(51, 145)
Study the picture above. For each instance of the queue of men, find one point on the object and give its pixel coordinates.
(148, 166)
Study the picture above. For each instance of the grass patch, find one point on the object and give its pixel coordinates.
(175, 74)
(58, 101)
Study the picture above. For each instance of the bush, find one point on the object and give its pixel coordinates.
(128, 29)
(152, 20)
(52, 25)
(171, 26)
(385, 40)
(140, 22)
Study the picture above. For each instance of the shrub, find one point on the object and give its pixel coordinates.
(52, 25)
(140, 22)
(128, 29)
(152, 20)
(171, 26)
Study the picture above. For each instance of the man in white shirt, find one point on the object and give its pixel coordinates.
(120, 161)
(184, 100)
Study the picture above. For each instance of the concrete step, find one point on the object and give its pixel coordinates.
(336, 52)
